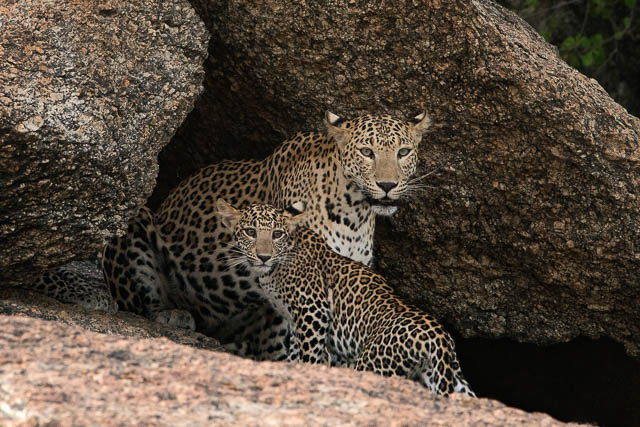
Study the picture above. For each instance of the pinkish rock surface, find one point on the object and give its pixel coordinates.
(52, 373)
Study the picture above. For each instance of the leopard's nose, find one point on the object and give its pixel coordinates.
(387, 186)
(264, 258)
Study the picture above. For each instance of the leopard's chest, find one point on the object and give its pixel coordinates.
(349, 231)
(355, 246)
(272, 291)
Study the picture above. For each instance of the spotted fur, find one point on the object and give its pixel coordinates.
(338, 308)
(83, 292)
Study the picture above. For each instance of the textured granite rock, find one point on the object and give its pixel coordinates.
(54, 374)
(531, 231)
(15, 301)
(90, 93)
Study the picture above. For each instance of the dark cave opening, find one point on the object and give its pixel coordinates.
(591, 381)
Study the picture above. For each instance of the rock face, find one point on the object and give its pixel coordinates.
(90, 94)
(18, 302)
(59, 374)
(531, 230)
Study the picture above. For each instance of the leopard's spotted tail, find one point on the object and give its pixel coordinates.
(442, 374)
(66, 285)
(462, 386)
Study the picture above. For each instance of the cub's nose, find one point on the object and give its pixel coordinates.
(264, 258)
(387, 186)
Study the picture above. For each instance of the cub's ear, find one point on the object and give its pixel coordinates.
(296, 215)
(420, 124)
(332, 122)
(296, 208)
(227, 214)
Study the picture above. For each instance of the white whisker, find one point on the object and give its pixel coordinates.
(228, 259)
(228, 256)
(420, 178)
(420, 187)
(234, 262)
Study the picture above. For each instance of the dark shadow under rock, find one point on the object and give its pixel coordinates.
(583, 380)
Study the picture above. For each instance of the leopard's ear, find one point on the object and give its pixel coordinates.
(296, 208)
(339, 133)
(296, 215)
(227, 214)
(420, 124)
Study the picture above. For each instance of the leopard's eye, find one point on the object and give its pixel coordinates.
(276, 234)
(367, 152)
(251, 232)
(403, 152)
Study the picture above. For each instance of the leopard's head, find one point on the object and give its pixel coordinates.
(378, 154)
(262, 234)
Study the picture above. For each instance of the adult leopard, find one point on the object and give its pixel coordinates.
(175, 259)
(339, 310)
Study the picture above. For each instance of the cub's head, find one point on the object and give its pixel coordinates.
(378, 154)
(262, 234)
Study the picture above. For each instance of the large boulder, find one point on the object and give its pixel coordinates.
(531, 230)
(91, 91)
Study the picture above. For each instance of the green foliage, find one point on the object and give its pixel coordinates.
(583, 51)
(599, 25)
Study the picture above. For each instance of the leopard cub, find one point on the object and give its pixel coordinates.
(340, 311)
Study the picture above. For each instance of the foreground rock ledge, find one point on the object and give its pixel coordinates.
(89, 94)
(15, 301)
(50, 372)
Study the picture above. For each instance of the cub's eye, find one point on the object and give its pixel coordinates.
(404, 152)
(276, 234)
(367, 152)
(251, 232)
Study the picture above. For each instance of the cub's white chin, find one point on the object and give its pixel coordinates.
(262, 269)
(384, 210)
